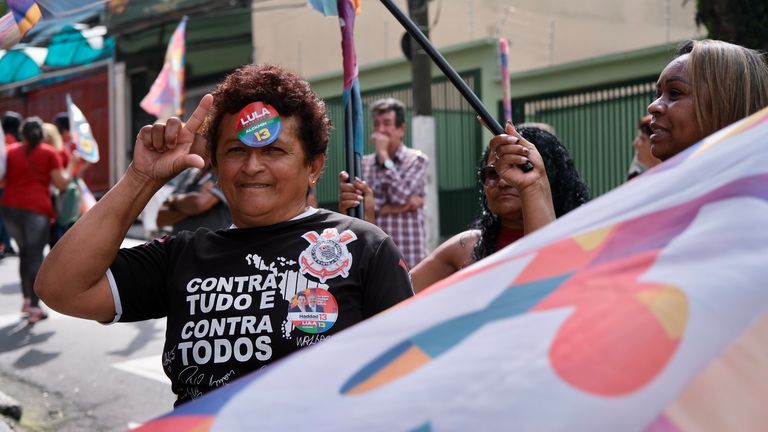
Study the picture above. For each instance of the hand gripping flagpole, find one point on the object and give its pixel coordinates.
(449, 72)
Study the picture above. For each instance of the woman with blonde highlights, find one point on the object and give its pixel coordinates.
(706, 87)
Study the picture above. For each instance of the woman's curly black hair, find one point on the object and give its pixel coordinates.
(568, 188)
(286, 91)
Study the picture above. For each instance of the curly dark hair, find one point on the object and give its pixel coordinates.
(568, 188)
(287, 92)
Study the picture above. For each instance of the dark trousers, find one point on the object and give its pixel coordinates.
(5, 239)
(31, 231)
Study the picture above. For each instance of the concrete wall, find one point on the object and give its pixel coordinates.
(542, 32)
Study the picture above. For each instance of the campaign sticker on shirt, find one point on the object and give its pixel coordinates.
(327, 255)
(258, 124)
(313, 310)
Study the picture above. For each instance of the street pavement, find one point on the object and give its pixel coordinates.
(70, 374)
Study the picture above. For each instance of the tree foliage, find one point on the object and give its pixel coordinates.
(743, 22)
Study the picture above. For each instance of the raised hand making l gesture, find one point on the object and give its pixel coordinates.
(163, 150)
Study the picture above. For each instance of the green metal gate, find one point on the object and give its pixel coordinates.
(597, 126)
(458, 138)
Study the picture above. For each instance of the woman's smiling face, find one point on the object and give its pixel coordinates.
(674, 123)
(264, 185)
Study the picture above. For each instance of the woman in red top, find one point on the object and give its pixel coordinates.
(26, 205)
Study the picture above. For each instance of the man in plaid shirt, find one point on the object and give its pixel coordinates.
(398, 176)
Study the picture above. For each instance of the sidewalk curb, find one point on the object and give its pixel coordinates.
(9, 407)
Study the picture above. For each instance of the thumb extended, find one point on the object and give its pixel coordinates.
(188, 161)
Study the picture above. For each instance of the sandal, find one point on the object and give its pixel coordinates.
(36, 314)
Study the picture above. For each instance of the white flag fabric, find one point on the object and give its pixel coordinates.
(82, 135)
(627, 314)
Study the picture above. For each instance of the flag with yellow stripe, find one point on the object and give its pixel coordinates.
(26, 13)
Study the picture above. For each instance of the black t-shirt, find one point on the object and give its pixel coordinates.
(227, 294)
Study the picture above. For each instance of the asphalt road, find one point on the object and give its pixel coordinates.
(77, 375)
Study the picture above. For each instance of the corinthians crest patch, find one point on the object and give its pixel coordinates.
(327, 255)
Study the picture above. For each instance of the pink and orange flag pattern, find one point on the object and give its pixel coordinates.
(23, 15)
(166, 96)
(634, 312)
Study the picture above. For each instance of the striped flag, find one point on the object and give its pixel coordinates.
(346, 10)
(26, 13)
(166, 96)
(23, 15)
(644, 310)
(9, 32)
(82, 135)
(505, 84)
(351, 95)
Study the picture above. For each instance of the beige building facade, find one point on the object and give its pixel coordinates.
(541, 32)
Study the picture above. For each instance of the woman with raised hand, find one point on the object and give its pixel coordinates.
(513, 203)
(227, 294)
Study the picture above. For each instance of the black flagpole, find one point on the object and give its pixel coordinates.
(353, 161)
(449, 72)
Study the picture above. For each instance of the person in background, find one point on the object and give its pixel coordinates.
(11, 127)
(398, 176)
(643, 159)
(706, 87)
(11, 122)
(59, 226)
(551, 190)
(26, 206)
(267, 135)
(52, 137)
(61, 120)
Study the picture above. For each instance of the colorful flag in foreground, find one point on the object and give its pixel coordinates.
(505, 84)
(166, 96)
(644, 310)
(23, 15)
(85, 144)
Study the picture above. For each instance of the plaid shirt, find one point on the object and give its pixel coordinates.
(395, 187)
